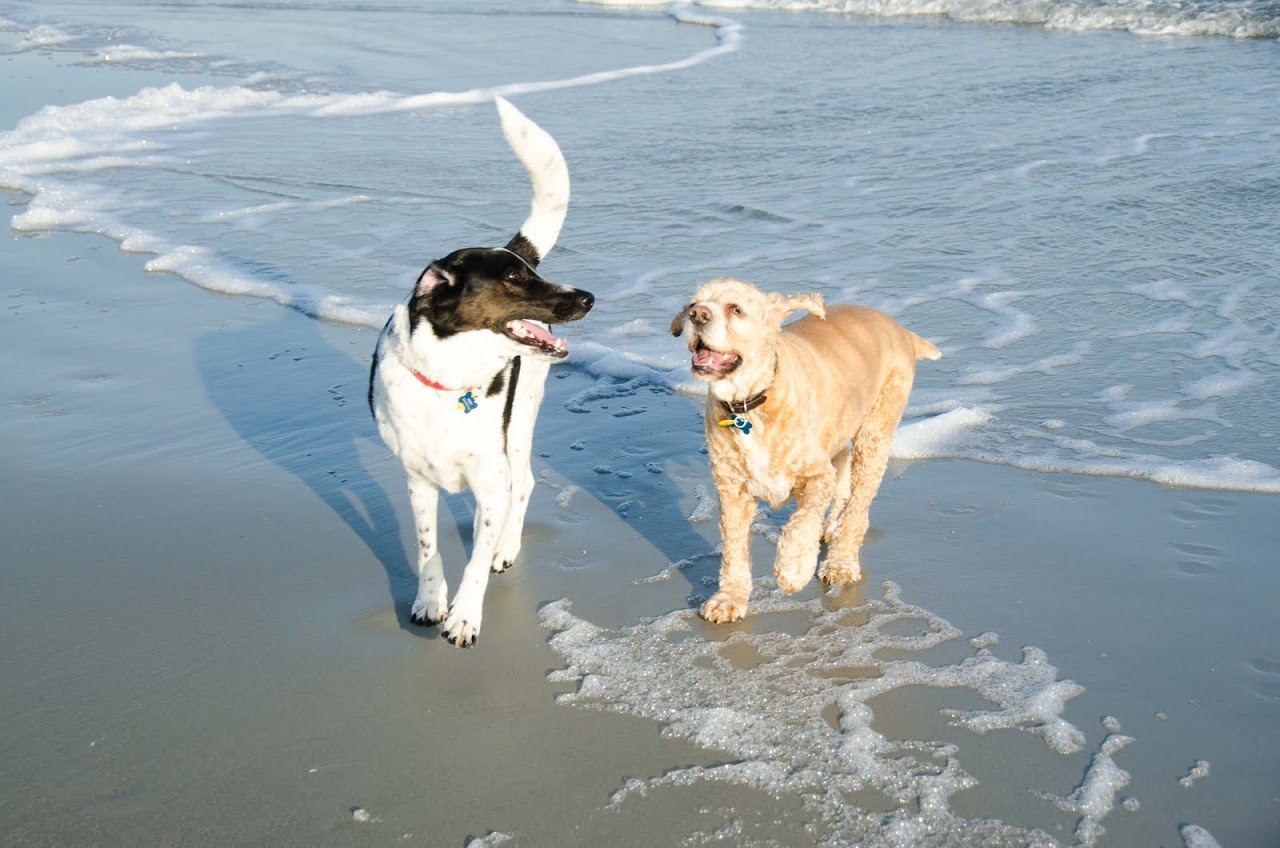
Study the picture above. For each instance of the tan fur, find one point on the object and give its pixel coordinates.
(836, 383)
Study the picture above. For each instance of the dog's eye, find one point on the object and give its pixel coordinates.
(735, 309)
(514, 276)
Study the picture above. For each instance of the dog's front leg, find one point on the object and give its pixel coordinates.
(798, 546)
(432, 601)
(737, 509)
(462, 627)
(513, 527)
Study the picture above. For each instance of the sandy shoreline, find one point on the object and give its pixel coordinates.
(205, 593)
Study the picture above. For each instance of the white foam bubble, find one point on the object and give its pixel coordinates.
(1234, 344)
(1044, 365)
(604, 389)
(132, 53)
(1015, 325)
(268, 210)
(1195, 836)
(634, 327)
(1193, 18)
(44, 36)
(939, 436)
(1166, 290)
(565, 495)
(675, 567)
(984, 640)
(1130, 416)
(706, 507)
(1177, 324)
(1199, 771)
(1095, 797)
(1243, 475)
(794, 743)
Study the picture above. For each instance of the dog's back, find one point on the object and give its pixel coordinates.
(848, 357)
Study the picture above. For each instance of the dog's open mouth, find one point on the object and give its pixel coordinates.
(538, 336)
(708, 361)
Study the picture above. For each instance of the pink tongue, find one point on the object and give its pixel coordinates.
(712, 359)
(539, 333)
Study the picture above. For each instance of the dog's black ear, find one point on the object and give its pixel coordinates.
(431, 277)
(522, 247)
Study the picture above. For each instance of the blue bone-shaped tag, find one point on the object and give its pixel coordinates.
(468, 402)
(739, 423)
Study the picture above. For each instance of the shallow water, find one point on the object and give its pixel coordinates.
(1082, 220)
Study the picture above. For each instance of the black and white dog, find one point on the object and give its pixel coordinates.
(457, 378)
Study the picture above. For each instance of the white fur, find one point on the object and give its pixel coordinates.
(548, 173)
(443, 447)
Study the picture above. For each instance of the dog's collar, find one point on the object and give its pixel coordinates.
(742, 407)
(467, 401)
(432, 384)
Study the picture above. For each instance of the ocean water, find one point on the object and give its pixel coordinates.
(1076, 201)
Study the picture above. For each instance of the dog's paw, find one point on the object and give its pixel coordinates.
(837, 572)
(425, 613)
(422, 620)
(721, 608)
(460, 630)
(792, 580)
(502, 565)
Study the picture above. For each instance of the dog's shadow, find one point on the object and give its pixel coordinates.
(300, 403)
(638, 448)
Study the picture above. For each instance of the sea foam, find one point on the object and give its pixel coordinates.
(800, 719)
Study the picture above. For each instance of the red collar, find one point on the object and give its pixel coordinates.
(431, 384)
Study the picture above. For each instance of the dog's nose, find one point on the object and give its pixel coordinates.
(699, 314)
(586, 300)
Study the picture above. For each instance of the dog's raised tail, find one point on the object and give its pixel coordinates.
(925, 349)
(548, 173)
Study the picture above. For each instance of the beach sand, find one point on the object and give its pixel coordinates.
(205, 595)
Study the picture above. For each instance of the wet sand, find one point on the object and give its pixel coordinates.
(205, 594)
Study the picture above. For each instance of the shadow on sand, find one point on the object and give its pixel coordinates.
(300, 402)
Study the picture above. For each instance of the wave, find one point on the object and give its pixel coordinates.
(1227, 18)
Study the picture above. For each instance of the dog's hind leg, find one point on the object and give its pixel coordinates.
(871, 446)
(843, 464)
(432, 602)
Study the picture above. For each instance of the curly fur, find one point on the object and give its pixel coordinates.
(834, 385)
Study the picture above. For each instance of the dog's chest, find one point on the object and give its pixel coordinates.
(447, 436)
(764, 472)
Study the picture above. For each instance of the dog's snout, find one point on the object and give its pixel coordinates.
(699, 314)
(574, 304)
